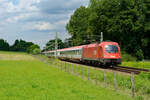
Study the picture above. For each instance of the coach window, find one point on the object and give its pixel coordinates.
(77, 52)
(74, 52)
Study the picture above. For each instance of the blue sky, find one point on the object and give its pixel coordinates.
(36, 20)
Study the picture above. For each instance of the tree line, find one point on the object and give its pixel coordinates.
(50, 45)
(124, 21)
(20, 46)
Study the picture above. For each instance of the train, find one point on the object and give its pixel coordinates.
(103, 53)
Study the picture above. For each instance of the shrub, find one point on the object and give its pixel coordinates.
(139, 55)
(36, 51)
(127, 57)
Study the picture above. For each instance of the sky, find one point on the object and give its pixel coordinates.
(36, 20)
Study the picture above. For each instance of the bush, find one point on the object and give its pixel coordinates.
(36, 51)
(127, 57)
(139, 55)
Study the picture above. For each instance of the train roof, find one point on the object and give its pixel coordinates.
(72, 48)
(67, 49)
(80, 47)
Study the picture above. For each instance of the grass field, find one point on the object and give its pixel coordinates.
(24, 78)
(142, 86)
(15, 56)
(130, 61)
(140, 64)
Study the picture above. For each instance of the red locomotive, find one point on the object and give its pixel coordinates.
(106, 53)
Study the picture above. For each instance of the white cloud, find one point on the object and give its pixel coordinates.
(43, 26)
(38, 1)
(60, 24)
(50, 26)
(10, 7)
(22, 6)
(19, 17)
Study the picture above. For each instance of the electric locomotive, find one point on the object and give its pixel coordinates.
(106, 53)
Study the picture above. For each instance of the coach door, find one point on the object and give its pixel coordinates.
(101, 52)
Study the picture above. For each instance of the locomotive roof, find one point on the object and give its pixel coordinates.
(109, 43)
(101, 43)
(92, 45)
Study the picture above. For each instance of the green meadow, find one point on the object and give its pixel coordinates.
(137, 64)
(142, 81)
(14, 56)
(22, 77)
(131, 61)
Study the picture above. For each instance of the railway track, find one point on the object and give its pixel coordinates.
(130, 69)
(124, 69)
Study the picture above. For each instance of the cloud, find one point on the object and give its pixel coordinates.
(19, 17)
(43, 26)
(35, 19)
(59, 6)
(21, 6)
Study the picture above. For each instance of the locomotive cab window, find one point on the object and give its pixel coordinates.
(111, 48)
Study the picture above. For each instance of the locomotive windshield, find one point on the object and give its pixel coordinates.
(111, 49)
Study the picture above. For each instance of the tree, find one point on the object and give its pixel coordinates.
(78, 25)
(32, 48)
(50, 45)
(21, 46)
(68, 42)
(4, 46)
(36, 51)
